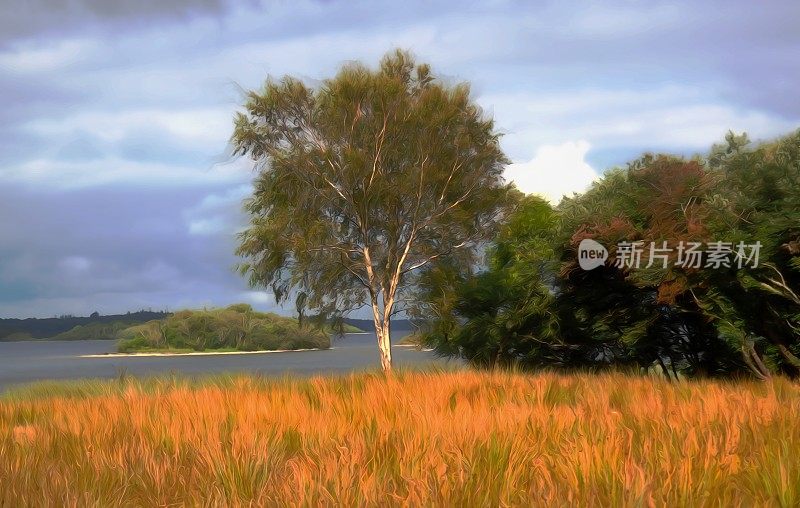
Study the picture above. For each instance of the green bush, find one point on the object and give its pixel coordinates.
(236, 327)
(134, 344)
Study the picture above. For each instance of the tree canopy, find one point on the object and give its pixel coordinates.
(683, 319)
(363, 181)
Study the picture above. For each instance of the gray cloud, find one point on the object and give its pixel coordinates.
(113, 115)
(80, 247)
(37, 18)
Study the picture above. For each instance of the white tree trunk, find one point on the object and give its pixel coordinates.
(383, 334)
(385, 347)
(381, 317)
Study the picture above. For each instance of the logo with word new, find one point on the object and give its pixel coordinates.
(591, 254)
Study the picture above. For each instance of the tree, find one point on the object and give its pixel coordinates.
(682, 319)
(501, 316)
(756, 199)
(363, 181)
(647, 315)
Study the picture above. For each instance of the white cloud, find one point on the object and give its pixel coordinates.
(258, 297)
(69, 175)
(669, 118)
(218, 213)
(555, 171)
(208, 226)
(231, 198)
(200, 127)
(30, 59)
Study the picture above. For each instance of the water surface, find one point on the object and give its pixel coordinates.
(27, 361)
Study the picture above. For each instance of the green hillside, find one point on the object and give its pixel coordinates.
(93, 331)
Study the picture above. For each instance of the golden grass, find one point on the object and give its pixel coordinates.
(438, 438)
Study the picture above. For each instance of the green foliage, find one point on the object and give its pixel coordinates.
(237, 327)
(498, 317)
(757, 198)
(534, 306)
(647, 316)
(364, 180)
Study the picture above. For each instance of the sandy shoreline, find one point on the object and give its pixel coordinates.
(201, 353)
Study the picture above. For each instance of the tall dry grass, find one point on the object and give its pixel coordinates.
(447, 438)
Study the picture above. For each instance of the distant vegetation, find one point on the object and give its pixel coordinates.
(359, 325)
(237, 327)
(109, 327)
(71, 327)
(94, 331)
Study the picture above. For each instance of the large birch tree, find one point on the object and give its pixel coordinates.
(363, 181)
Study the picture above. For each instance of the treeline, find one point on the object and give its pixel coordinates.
(702, 275)
(94, 326)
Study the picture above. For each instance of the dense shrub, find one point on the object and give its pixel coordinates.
(236, 327)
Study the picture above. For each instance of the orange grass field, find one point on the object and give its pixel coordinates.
(459, 438)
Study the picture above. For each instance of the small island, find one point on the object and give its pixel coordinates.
(234, 328)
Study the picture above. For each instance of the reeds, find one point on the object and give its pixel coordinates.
(418, 438)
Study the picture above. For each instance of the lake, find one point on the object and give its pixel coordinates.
(28, 361)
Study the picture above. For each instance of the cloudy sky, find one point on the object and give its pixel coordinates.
(116, 190)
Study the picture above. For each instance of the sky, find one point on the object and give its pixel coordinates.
(117, 188)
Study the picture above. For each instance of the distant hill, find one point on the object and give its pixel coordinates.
(401, 325)
(93, 326)
(366, 325)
